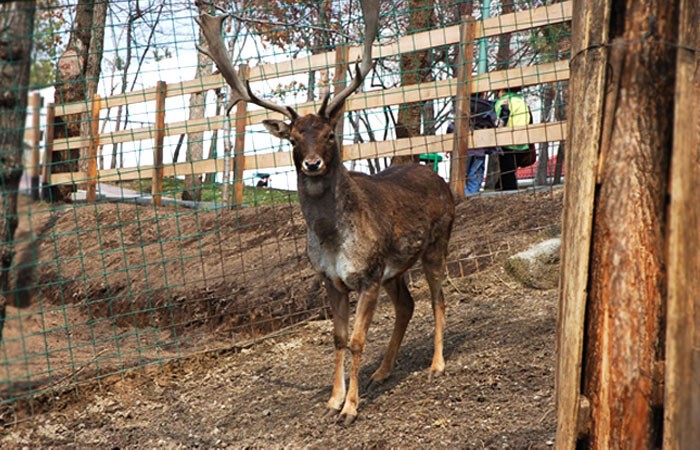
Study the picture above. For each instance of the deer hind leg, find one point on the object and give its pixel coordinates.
(340, 306)
(403, 306)
(363, 317)
(434, 266)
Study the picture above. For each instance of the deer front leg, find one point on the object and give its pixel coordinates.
(365, 310)
(340, 307)
(403, 306)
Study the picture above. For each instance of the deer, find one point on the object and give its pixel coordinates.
(363, 232)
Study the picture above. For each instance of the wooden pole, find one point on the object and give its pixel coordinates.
(458, 168)
(48, 149)
(682, 368)
(339, 83)
(613, 270)
(157, 176)
(586, 95)
(35, 164)
(239, 143)
(91, 189)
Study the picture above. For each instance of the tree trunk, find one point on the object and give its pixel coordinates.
(210, 178)
(92, 72)
(195, 145)
(16, 27)
(77, 77)
(625, 312)
(415, 68)
(116, 148)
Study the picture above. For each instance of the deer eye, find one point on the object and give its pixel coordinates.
(331, 136)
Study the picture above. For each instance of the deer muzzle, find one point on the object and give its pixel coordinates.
(313, 166)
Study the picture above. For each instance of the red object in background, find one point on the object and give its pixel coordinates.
(524, 173)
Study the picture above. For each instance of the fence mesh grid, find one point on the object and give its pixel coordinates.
(99, 287)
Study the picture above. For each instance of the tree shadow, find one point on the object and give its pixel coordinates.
(26, 266)
(415, 355)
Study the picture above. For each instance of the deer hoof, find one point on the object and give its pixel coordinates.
(373, 385)
(432, 375)
(331, 413)
(349, 419)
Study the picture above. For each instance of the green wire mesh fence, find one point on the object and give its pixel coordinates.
(152, 226)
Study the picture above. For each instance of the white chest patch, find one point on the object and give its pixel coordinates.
(337, 264)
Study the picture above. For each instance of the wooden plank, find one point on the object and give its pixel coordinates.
(458, 161)
(543, 132)
(93, 145)
(157, 176)
(239, 143)
(682, 374)
(48, 147)
(35, 141)
(507, 23)
(526, 20)
(519, 21)
(587, 91)
(148, 95)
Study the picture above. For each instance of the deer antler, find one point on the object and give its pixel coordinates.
(370, 13)
(211, 27)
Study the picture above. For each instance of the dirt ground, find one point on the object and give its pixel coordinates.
(193, 293)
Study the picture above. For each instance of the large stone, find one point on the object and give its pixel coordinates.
(538, 266)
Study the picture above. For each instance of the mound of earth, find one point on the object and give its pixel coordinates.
(174, 284)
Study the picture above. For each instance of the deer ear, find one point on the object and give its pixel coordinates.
(336, 114)
(278, 128)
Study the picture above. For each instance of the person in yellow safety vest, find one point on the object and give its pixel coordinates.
(512, 111)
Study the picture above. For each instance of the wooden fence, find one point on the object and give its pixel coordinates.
(463, 86)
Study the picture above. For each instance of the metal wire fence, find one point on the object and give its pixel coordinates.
(153, 226)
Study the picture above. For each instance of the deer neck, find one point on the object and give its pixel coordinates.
(322, 199)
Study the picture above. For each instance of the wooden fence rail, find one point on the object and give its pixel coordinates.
(522, 76)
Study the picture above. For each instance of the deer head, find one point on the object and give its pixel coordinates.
(312, 136)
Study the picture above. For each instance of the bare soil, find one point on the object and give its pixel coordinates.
(190, 296)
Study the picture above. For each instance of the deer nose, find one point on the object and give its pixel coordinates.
(313, 165)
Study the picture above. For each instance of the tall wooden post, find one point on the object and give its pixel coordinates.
(682, 368)
(94, 143)
(458, 168)
(158, 138)
(339, 83)
(48, 149)
(587, 91)
(239, 143)
(611, 306)
(35, 163)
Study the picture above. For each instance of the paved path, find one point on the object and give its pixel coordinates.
(114, 193)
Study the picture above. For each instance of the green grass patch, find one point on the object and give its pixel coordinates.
(252, 196)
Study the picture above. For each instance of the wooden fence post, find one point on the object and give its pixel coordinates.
(682, 367)
(239, 144)
(91, 189)
(48, 149)
(158, 138)
(613, 274)
(339, 83)
(586, 94)
(458, 167)
(35, 163)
